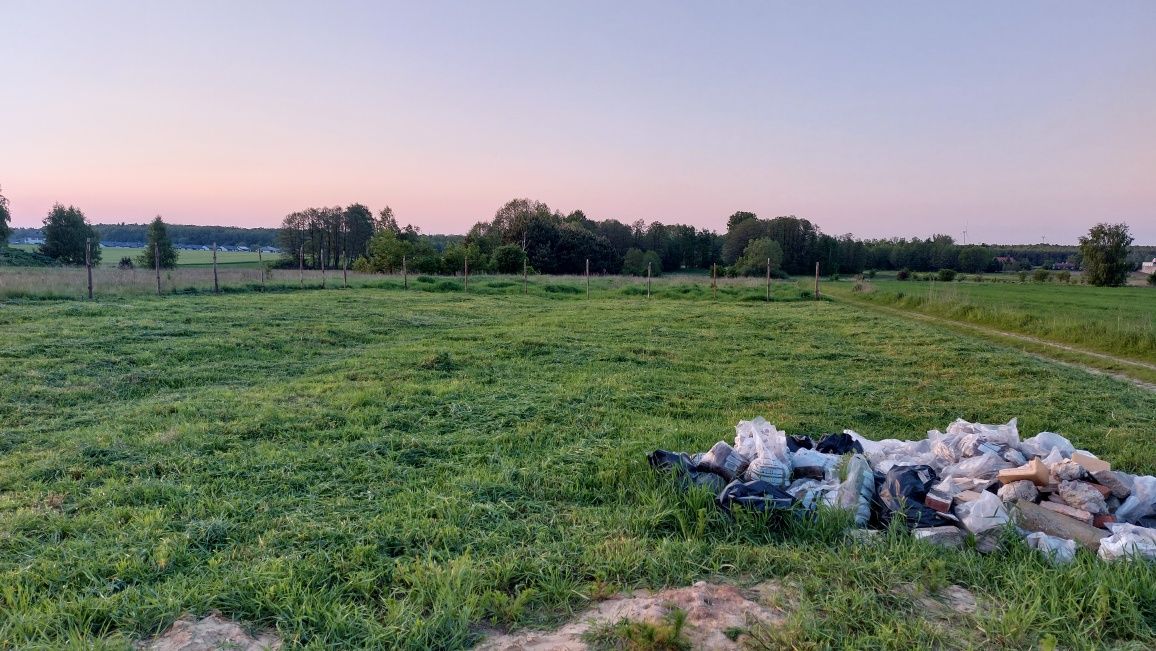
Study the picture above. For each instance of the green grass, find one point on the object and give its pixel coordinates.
(110, 257)
(1115, 320)
(374, 468)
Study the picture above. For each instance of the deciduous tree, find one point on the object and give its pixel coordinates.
(1104, 251)
(65, 231)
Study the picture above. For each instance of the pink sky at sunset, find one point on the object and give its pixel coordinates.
(1017, 121)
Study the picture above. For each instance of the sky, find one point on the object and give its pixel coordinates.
(1017, 122)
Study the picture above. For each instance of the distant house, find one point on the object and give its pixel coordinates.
(1148, 266)
(1005, 259)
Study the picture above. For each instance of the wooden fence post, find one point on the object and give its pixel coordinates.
(714, 280)
(261, 264)
(466, 274)
(768, 280)
(345, 271)
(647, 280)
(157, 264)
(88, 263)
(587, 277)
(322, 256)
(404, 274)
(216, 284)
(816, 280)
(301, 266)
(525, 275)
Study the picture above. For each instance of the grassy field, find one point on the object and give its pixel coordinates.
(373, 468)
(110, 256)
(72, 283)
(1116, 320)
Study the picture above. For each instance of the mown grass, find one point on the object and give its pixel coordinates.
(72, 283)
(378, 469)
(1115, 320)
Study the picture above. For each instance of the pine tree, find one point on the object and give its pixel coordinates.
(159, 242)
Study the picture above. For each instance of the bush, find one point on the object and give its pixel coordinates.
(1152, 279)
(903, 274)
(125, 263)
(1064, 276)
(509, 258)
(1023, 276)
(871, 273)
(946, 275)
(1041, 275)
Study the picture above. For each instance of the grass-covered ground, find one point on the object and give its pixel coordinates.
(1115, 320)
(375, 468)
(110, 256)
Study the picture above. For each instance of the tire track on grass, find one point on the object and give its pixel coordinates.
(1005, 335)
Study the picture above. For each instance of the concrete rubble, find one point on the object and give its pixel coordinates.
(972, 480)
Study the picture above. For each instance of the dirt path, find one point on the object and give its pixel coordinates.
(1005, 335)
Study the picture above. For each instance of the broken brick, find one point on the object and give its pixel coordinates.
(1071, 512)
(968, 496)
(1111, 480)
(1103, 490)
(1102, 520)
(1090, 463)
(938, 501)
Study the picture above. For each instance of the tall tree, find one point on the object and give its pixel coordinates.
(158, 242)
(65, 231)
(358, 226)
(738, 218)
(1105, 254)
(5, 218)
(386, 221)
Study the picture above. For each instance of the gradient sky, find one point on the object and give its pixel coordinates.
(1019, 121)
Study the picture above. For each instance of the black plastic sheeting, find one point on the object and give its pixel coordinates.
(838, 444)
(685, 470)
(800, 442)
(902, 494)
(755, 495)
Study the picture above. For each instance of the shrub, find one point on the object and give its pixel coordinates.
(903, 274)
(946, 275)
(1064, 276)
(1023, 276)
(1152, 279)
(509, 258)
(1041, 275)
(870, 273)
(125, 263)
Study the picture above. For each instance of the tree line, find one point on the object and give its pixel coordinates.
(181, 234)
(528, 234)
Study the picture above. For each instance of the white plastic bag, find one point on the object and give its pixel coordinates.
(1128, 541)
(984, 466)
(980, 515)
(1059, 551)
(806, 458)
(811, 492)
(857, 491)
(1142, 501)
(1042, 445)
(1007, 434)
(772, 460)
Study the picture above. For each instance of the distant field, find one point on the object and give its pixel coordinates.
(110, 257)
(372, 468)
(1117, 320)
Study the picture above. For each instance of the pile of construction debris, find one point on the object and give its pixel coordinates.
(972, 480)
